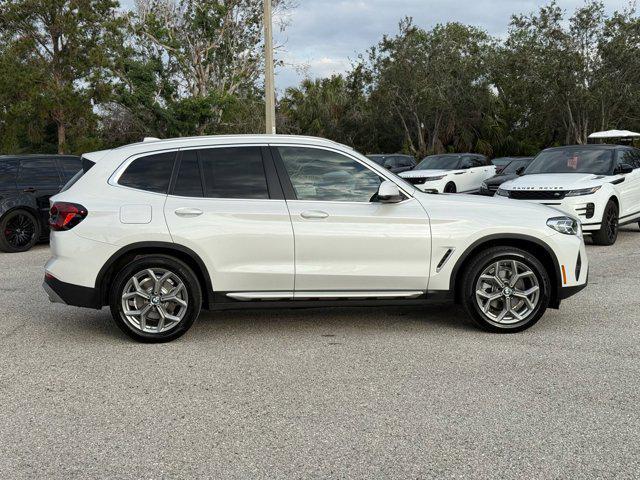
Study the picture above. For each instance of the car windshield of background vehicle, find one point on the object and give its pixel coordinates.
(514, 166)
(439, 162)
(573, 160)
(379, 159)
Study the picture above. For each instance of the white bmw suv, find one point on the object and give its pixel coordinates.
(159, 230)
(599, 184)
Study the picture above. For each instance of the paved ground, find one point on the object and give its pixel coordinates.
(359, 393)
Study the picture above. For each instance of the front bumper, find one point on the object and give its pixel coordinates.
(487, 192)
(589, 209)
(70, 294)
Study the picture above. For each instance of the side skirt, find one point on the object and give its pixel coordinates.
(222, 302)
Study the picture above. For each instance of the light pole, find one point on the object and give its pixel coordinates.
(269, 83)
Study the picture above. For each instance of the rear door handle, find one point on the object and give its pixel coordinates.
(188, 212)
(314, 214)
(29, 190)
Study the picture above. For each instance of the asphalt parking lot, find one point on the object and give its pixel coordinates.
(359, 393)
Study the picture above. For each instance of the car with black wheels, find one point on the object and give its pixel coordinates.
(395, 162)
(510, 171)
(599, 184)
(26, 183)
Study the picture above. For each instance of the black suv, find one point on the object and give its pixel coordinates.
(394, 162)
(26, 183)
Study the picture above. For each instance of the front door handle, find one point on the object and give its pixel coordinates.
(188, 212)
(29, 190)
(314, 214)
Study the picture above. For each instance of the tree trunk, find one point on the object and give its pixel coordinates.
(62, 137)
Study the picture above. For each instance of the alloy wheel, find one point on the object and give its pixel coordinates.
(19, 231)
(507, 291)
(612, 224)
(154, 300)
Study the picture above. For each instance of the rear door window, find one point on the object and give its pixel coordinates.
(151, 173)
(38, 173)
(234, 172)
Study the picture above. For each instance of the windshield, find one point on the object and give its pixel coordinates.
(573, 160)
(379, 159)
(512, 167)
(439, 162)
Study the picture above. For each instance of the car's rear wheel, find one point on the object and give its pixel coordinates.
(155, 299)
(19, 231)
(450, 188)
(505, 289)
(608, 232)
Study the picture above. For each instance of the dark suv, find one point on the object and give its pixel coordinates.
(395, 162)
(26, 183)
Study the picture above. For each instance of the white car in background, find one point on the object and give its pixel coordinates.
(159, 230)
(599, 184)
(451, 173)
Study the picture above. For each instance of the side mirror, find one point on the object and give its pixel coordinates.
(624, 168)
(388, 192)
(520, 171)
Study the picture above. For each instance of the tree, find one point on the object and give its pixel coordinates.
(433, 84)
(62, 48)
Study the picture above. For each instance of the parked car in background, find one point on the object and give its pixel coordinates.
(512, 170)
(501, 162)
(26, 183)
(450, 173)
(599, 184)
(395, 163)
(159, 230)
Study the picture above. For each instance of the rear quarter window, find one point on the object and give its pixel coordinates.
(151, 173)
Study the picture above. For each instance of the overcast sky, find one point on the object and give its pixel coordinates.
(324, 36)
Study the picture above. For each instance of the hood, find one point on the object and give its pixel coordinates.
(493, 210)
(554, 181)
(500, 179)
(425, 173)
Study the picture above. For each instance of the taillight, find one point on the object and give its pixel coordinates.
(65, 216)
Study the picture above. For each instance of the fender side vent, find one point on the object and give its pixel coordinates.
(444, 259)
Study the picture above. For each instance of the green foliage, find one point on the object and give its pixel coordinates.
(81, 75)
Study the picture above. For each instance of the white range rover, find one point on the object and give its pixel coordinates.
(159, 230)
(599, 184)
(450, 173)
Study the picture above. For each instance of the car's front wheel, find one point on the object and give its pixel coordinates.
(608, 232)
(450, 188)
(155, 299)
(19, 231)
(505, 289)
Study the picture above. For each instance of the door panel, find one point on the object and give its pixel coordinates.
(360, 246)
(224, 205)
(38, 177)
(247, 245)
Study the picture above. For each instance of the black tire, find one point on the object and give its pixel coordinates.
(484, 260)
(19, 231)
(608, 232)
(450, 188)
(182, 273)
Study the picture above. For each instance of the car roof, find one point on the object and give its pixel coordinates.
(36, 155)
(599, 146)
(222, 139)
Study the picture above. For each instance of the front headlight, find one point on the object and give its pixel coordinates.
(582, 191)
(566, 225)
(502, 192)
(484, 185)
(433, 179)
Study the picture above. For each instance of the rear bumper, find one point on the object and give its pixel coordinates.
(70, 294)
